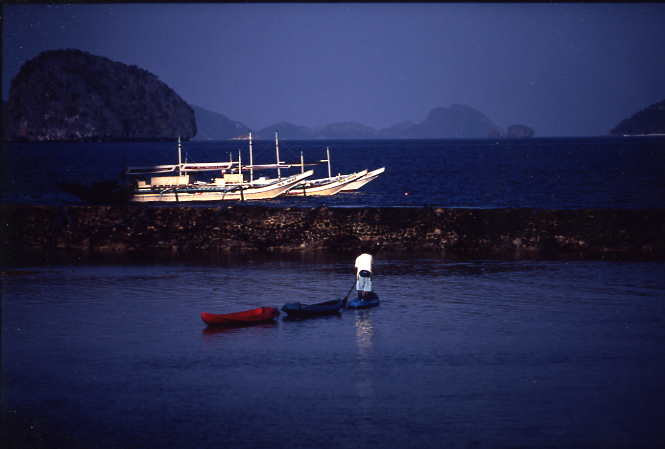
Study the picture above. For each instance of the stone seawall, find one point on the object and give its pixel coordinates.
(34, 233)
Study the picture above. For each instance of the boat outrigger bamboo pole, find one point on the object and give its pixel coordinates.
(251, 160)
(279, 173)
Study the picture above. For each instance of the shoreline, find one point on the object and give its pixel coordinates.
(41, 234)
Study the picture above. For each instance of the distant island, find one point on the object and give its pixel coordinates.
(456, 121)
(65, 95)
(72, 95)
(650, 120)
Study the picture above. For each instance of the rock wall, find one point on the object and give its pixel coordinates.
(36, 233)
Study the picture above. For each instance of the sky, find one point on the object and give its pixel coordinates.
(568, 69)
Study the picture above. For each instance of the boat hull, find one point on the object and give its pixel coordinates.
(246, 317)
(297, 309)
(324, 189)
(358, 303)
(370, 176)
(206, 193)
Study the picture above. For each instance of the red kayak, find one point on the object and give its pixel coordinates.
(257, 315)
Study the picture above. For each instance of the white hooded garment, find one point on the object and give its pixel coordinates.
(363, 262)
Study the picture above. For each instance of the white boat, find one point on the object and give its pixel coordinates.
(278, 165)
(325, 186)
(370, 176)
(219, 190)
(231, 186)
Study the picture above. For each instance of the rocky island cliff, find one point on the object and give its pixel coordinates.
(69, 95)
(72, 95)
(650, 120)
(40, 234)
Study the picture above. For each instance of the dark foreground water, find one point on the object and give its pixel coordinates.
(553, 173)
(458, 355)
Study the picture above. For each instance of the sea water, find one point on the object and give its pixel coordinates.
(479, 354)
(552, 173)
(476, 354)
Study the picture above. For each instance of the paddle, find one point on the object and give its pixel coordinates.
(348, 293)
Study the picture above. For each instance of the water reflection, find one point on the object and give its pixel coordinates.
(455, 352)
(436, 267)
(234, 329)
(364, 373)
(331, 316)
(364, 334)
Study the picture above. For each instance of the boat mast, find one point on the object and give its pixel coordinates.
(242, 181)
(179, 155)
(328, 159)
(279, 173)
(251, 160)
(302, 163)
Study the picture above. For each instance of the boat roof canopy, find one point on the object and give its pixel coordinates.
(207, 166)
(186, 167)
(151, 169)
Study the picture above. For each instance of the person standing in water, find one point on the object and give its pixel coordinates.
(364, 275)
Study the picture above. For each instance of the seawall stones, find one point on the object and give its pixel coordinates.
(451, 233)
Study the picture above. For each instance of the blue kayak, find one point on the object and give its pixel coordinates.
(303, 310)
(357, 303)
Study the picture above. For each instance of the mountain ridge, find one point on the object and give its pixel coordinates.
(216, 126)
(74, 95)
(456, 121)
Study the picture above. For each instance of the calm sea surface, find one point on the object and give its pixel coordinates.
(546, 173)
(458, 355)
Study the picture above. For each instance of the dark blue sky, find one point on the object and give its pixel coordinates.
(564, 69)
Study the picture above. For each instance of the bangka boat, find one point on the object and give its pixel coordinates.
(177, 186)
(315, 187)
(324, 186)
(226, 188)
(252, 316)
(357, 184)
(278, 165)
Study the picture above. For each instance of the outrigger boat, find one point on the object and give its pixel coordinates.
(316, 187)
(370, 176)
(325, 186)
(279, 165)
(177, 186)
(332, 184)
